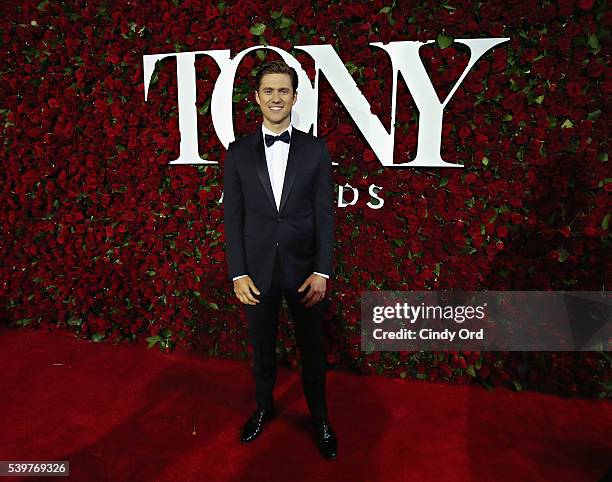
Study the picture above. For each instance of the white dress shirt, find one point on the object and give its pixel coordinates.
(276, 159)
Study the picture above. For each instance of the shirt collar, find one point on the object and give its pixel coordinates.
(265, 130)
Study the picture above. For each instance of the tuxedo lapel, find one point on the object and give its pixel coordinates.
(292, 165)
(261, 166)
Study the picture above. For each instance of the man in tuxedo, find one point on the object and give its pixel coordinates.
(279, 227)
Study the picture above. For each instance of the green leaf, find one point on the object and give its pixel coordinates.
(517, 385)
(443, 181)
(444, 41)
(98, 337)
(594, 42)
(470, 371)
(563, 255)
(485, 161)
(606, 221)
(567, 124)
(204, 108)
(258, 29)
(594, 115)
(23, 321)
(604, 182)
(351, 67)
(153, 340)
(285, 23)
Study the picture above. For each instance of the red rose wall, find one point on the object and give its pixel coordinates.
(101, 236)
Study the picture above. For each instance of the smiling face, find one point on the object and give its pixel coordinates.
(276, 99)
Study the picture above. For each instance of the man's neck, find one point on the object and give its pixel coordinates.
(276, 128)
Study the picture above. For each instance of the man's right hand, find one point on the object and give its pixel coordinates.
(243, 287)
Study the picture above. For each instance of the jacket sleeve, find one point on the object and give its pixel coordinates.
(233, 217)
(324, 213)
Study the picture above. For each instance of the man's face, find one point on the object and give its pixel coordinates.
(276, 98)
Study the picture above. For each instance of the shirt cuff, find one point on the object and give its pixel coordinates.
(238, 277)
(326, 276)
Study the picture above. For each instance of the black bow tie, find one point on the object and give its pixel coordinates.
(285, 137)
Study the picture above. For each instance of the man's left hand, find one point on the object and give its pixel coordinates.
(317, 289)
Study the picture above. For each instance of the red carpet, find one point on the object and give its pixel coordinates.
(122, 413)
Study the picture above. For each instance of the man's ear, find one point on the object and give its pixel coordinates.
(294, 97)
(257, 98)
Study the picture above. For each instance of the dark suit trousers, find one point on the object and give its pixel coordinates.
(263, 323)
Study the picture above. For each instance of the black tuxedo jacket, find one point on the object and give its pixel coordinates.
(302, 229)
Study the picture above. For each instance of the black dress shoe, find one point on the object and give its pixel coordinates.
(326, 438)
(254, 425)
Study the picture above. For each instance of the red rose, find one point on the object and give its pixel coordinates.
(502, 231)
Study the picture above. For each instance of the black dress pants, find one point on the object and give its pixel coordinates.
(263, 323)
